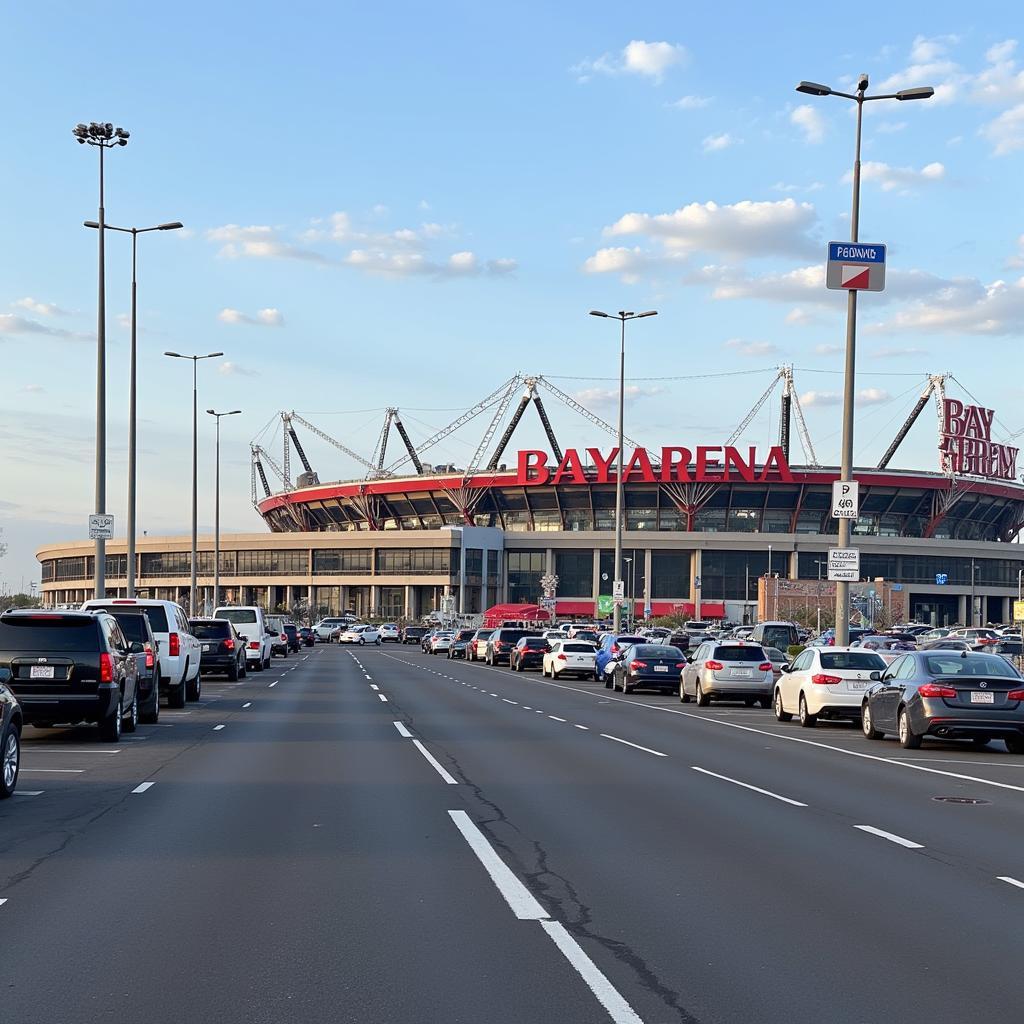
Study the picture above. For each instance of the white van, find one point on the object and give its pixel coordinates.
(251, 624)
(178, 651)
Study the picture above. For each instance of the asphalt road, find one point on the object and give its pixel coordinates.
(385, 836)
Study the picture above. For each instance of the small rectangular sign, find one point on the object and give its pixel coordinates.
(101, 527)
(1018, 611)
(856, 252)
(844, 564)
(845, 499)
(855, 266)
(619, 589)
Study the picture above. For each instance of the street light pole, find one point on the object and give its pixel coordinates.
(132, 388)
(622, 316)
(216, 509)
(103, 137)
(629, 563)
(849, 384)
(192, 607)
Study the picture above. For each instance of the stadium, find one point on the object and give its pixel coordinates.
(707, 527)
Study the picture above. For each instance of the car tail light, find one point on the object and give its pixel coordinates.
(254, 645)
(499, 644)
(765, 666)
(229, 644)
(174, 645)
(825, 680)
(634, 665)
(615, 649)
(1015, 695)
(106, 668)
(680, 664)
(561, 657)
(936, 690)
(713, 666)
(149, 656)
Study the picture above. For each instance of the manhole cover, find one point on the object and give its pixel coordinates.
(960, 800)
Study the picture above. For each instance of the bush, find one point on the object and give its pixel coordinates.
(793, 650)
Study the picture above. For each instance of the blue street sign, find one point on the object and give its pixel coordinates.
(941, 578)
(856, 252)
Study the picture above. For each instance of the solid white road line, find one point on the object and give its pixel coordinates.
(53, 771)
(29, 792)
(64, 750)
(1011, 881)
(435, 764)
(556, 718)
(505, 699)
(2, 902)
(402, 731)
(898, 840)
(382, 698)
(607, 995)
(746, 785)
(217, 728)
(516, 895)
(657, 753)
(584, 727)
(247, 704)
(274, 683)
(142, 787)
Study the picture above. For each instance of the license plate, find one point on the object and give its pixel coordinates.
(41, 672)
(207, 647)
(661, 668)
(983, 698)
(741, 673)
(858, 685)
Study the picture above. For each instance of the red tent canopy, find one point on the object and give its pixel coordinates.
(500, 613)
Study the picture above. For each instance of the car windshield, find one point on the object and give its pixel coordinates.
(628, 641)
(211, 630)
(857, 661)
(574, 648)
(133, 626)
(657, 651)
(774, 654)
(483, 634)
(239, 616)
(735, 652)
(975, 666)
(49, 633)
(535, 643)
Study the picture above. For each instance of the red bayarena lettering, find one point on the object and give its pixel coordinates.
(745, 470)
(570, 467)
(778, 462)
(707, 461)
(532, 468)
(602, 464)
(639, 460)
(675, 470)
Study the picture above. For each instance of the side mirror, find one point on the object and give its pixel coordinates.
(243, 637)
(5, 676)
(875, 677)
(785, 668)
(138, 647)
(271, 632)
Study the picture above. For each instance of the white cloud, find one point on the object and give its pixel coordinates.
(903, 178)
(716, 143)
(741, 229)
(265, 317)
(33, 389)
(873, 396)
(799, 317)
(819, 398)
(1005, 132)
(970, 307)
(690, 103)
(258, 241)
(810, 121)
(411, 264)
(1001, 52)
(828, 350)
(502, 266)
(925, 50)
(637, 57)
(783, 186)
(890, 127)
(630, 263)
(229, 369)
(39, 308)
(11, 323)
(595, 398)
(896, 353)
(751, 348)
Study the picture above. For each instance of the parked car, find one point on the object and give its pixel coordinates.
(251, 624)
(291, 631)
(428, 639)
(778, 659)
(948, 644)
(389, 631)
(775, 634)
(528, 652)
(223, 648)
(946, 695)
(360, 635)
(460, 643)
(178, 651)
(307, 636)
(278, 637)
(134, 623)
(501, 642)
(441, 640)
(976, 634)
(10, 737)
(648, 667)
(328, 630)
(825, 682)
(70, 667)
(569, 657)
(414, 634)
(678, 638)
(730, 670)
(611, 645)
(476, 649)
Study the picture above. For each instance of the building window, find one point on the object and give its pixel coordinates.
(671, 572)
(732, 575)
(272, 563)
(157, 564)
(414, 561)
(341, 561)
(72, 568)
(392, 603)
(474, 564)
(525, 569)
(575, 572)
(493, 567)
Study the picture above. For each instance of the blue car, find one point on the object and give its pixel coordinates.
(611, 645)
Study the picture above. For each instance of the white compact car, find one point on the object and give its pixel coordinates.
(442, 641)
(360, 635)
(251, 623)
(178, 651)
(389, 631)
(569, 657)
(825, 682)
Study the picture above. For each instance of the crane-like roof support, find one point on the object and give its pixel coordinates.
(936, 386)
(337, 444)
(404, 435)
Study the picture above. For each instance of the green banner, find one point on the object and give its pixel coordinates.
(605, 604)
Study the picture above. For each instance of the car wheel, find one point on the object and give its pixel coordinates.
(284, 653)
(258, 667)
(362, 642)
(980, 742)
(807, 720)
(684, 697)
(233, 673)
(10, 760)
(781, 714)
(909, 740)
(176, 696)
(378, 641)
(131, 720)
(867, 723)
(703, 700)
(597, 678)
(266, 664)
(110, 727)
(194, 689)
(1015, 744)
(151, 715)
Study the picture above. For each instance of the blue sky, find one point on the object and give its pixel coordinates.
(404, 205)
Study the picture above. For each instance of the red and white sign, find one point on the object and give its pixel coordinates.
(966, 444)
(856, 276)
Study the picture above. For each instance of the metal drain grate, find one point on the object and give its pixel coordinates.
(960, 800)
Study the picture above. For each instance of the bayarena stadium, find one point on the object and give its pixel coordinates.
(711, 527)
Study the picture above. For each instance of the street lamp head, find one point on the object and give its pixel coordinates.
(814, 89)
(171, 226)
(650, 312)
(213, 355)
(211, 412)
(234, 412)
(923, 93)
(174, 355)
(862, 83)
(597, 312)
(91, 224)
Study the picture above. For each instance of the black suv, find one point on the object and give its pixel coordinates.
(528, 653)
(10, 737)
(414, 634)
(72, 667)
(137, 629)
(292, 632)
(501, 642)
(223, 648)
